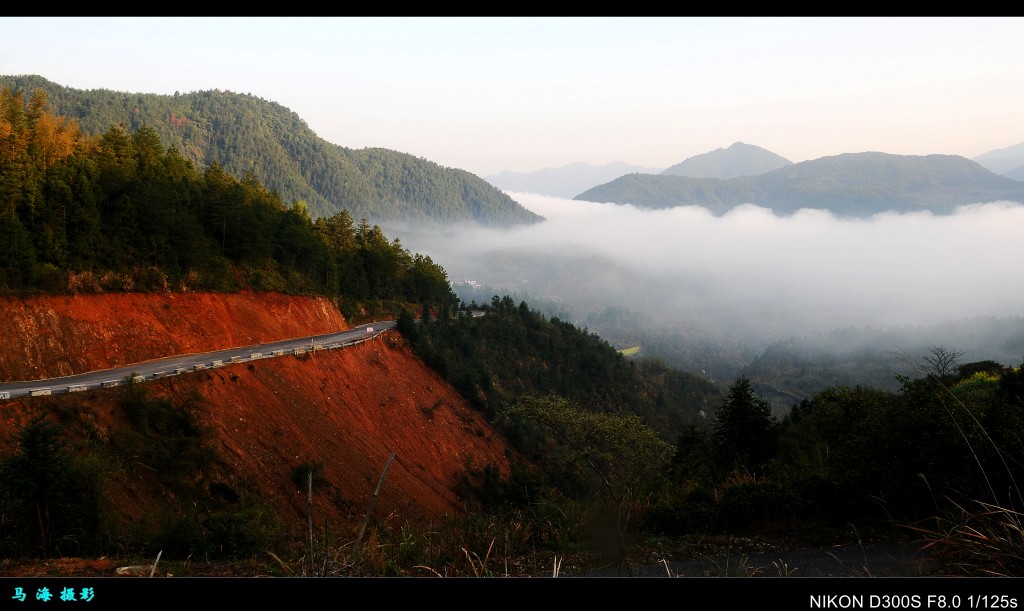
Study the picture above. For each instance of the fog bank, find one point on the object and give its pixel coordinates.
(748, 271)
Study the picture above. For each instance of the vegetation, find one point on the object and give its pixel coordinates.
(851, 461)
(245, 135)
(616, 451)
(60, 486)
(119, 212)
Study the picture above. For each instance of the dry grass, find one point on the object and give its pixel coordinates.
(987, 540)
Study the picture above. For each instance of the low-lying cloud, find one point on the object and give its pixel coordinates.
(750, 270)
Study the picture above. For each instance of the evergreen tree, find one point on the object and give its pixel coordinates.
(745, 429)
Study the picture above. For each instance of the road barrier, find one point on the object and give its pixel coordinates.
(137, 378)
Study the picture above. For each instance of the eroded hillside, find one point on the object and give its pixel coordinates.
(51, 336)
(345, 409)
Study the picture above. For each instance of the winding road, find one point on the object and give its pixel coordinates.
(176, 365)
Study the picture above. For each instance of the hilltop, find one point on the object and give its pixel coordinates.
(738, 160)
(247, 135)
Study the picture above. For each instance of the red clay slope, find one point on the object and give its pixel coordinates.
(53, 336)
(348, 409)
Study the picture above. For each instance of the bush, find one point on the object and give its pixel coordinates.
(51, 498)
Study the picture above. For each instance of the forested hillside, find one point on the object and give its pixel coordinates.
(514, 351)
(121, 211)
(245, 134)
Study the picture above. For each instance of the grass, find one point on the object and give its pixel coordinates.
(975, 538)
(979, 540)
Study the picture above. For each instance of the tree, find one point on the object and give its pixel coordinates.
(622, 458)
(745, 429)
(50, 499)
(943, 362)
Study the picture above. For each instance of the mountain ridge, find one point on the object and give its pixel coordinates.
(246, 134)
(565, 181)
(850, 184)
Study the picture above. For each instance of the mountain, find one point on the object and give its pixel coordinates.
(852, 184)
(244, 133)
(565, 181)
(738, 160)
(1016, 174)
(1008, 161)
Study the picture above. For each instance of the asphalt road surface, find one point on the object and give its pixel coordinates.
(176, 365)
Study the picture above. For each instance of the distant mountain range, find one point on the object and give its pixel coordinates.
(852, 184)
(1007, 162)
(243, 133)
(566, 181)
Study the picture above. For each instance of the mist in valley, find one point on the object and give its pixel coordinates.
(713, 293)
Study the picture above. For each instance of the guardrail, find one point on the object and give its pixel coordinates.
(138, 378)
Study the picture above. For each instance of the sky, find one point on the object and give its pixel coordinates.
(490, 94)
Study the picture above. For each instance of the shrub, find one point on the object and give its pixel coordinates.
(51, 498)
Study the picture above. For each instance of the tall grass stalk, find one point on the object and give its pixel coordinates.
(987, 538)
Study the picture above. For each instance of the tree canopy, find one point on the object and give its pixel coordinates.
(120, 211)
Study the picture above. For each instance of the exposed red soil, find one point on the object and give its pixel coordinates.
(52, 336)
(347, 409)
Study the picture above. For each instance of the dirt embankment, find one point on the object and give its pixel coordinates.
(347, 409)
(51, 336)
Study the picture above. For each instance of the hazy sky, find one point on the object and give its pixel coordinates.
(523, 94)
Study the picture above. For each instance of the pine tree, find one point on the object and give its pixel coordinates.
(745, 429)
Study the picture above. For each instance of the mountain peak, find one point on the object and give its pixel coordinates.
(740, 159)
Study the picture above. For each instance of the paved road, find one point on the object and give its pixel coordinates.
(176, 365)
